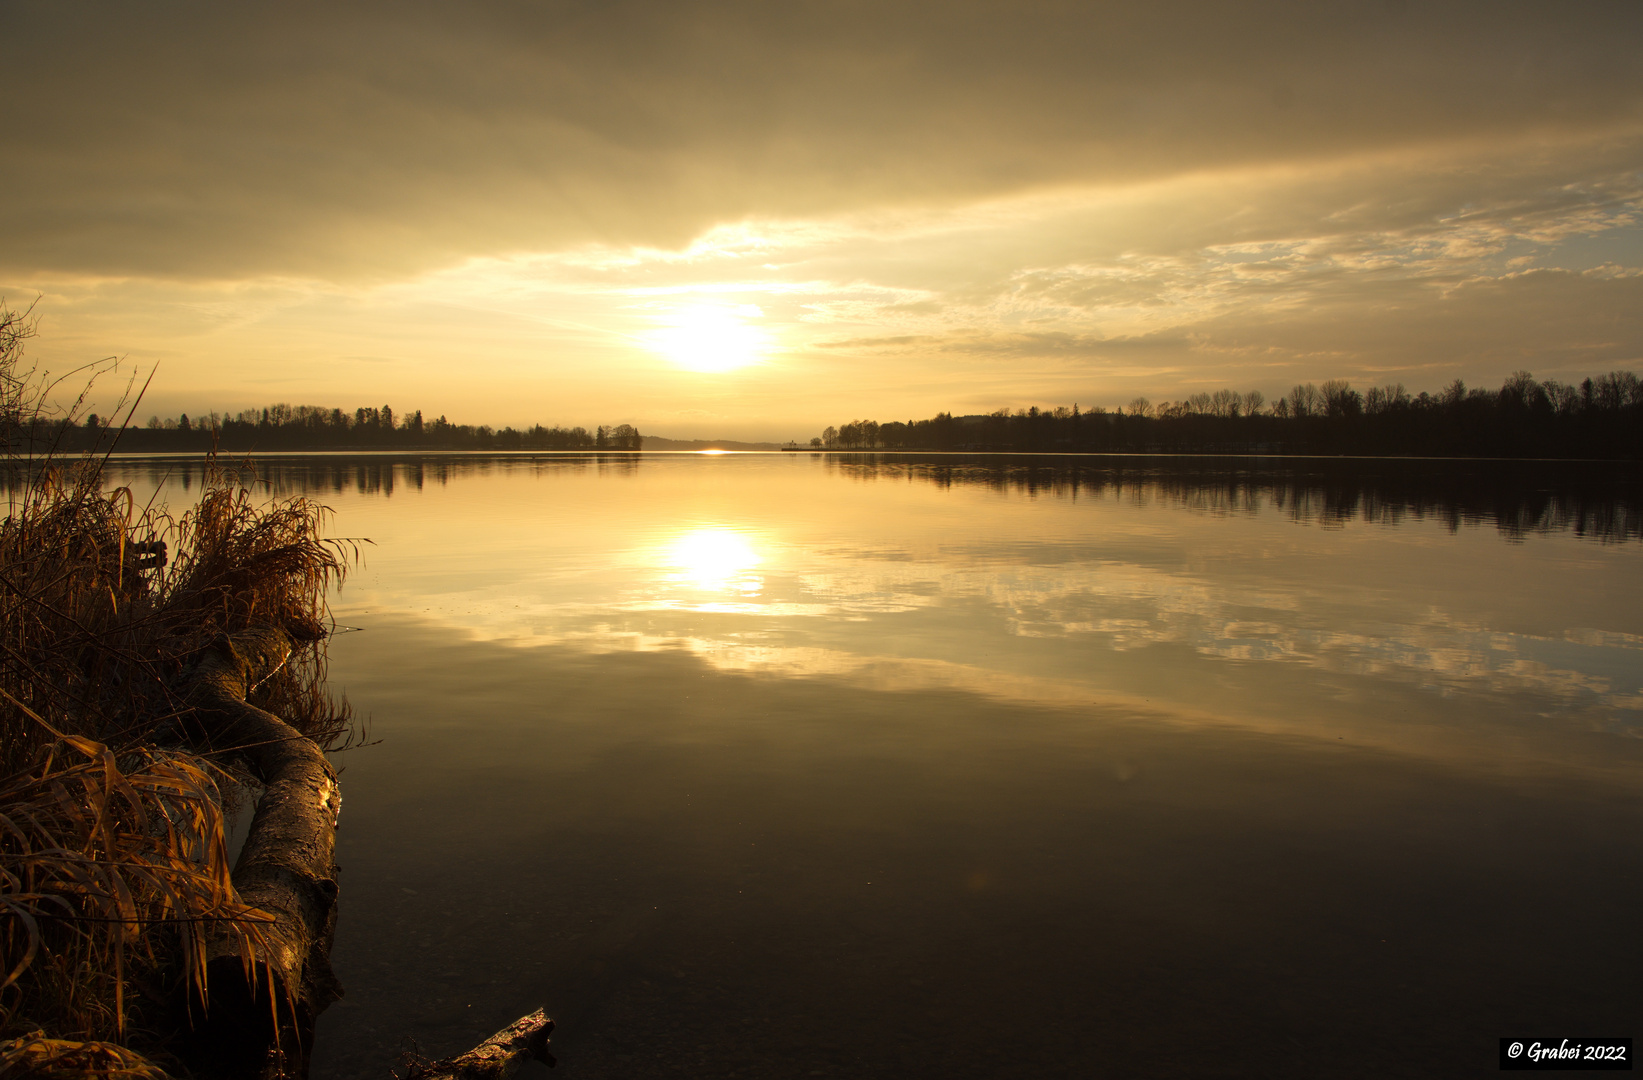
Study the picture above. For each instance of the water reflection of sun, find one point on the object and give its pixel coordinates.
(714, 558)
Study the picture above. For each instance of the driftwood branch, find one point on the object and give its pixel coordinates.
(264, 1023)
(498, 1057)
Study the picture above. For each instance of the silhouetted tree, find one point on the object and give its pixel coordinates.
(1601, 417)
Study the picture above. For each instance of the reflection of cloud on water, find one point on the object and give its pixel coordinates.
(1543, 677)
(888, 674)
(744, 602)
(1428, 653)
(1603, 638)
(1137, 607)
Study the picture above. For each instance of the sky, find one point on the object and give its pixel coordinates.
(753, 219)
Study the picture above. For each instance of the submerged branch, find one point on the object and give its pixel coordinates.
(498, 1057)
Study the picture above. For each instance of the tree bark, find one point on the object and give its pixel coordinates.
(286, 868)
(498, 1057)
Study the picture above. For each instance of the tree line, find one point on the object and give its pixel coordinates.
(313, 427)
(1599, 417)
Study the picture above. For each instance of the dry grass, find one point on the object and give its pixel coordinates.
(36, 1056)
(112, 864)
(107, 863)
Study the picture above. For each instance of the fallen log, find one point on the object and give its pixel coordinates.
(497, 1058)
(259, 1011)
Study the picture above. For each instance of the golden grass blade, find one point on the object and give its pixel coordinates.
(32, 929)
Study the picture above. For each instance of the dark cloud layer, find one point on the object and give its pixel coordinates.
(340, 141)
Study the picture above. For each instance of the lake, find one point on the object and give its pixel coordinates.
(793, 765)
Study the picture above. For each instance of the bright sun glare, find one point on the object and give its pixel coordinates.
(714, 558)
(711, 338)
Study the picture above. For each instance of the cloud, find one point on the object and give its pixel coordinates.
(934, 211)
(357, 142)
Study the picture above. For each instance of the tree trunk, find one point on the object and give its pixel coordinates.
(286, 869)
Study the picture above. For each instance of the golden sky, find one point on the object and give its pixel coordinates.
(755, 219)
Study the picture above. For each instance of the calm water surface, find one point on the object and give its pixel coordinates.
(788, 766)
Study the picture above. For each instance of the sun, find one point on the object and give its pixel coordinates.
(711, 338)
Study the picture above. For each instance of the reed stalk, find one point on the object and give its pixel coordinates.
(113, 865)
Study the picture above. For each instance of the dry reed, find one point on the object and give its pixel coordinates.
(113, 869)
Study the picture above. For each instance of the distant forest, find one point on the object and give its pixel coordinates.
(310, 427)
(1598, 418)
